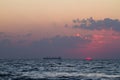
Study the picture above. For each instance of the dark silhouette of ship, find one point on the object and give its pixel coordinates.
(52, 58)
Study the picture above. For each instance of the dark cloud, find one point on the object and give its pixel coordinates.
(22, 41)
(64, 46)
(5, 42)
(60, 42)
(4, 35)
(111, 50)
(66, 25)
(1, 33)
(92, 24)
(28, 35)
(56, 46)
(76, 21)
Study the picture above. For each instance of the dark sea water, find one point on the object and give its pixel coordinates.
(65, 69)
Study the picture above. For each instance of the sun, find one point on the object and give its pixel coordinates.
(77, 35)
(88, 58)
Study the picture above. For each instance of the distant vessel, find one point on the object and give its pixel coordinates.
(52, 58)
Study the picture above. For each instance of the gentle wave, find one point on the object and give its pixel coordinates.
(65, 74)
(59, 70)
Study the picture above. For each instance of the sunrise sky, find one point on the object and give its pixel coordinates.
(66, 28)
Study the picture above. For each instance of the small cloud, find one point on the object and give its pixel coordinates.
(76, 20)
(1, 33)
(28, 35)
(66, 25)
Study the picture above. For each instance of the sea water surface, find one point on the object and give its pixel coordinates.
(63, 69)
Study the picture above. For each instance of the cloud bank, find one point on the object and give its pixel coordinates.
(92, 24)
(56, 46)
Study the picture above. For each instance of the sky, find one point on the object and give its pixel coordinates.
(66, 28)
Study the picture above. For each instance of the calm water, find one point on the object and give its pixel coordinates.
(66, 69)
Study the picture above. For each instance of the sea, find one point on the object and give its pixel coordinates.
(59, 69)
